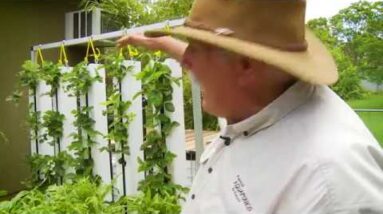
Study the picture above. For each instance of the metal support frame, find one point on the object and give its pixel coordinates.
(197, 112)
(110, 35)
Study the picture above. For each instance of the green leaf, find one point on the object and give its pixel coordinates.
(169, 107)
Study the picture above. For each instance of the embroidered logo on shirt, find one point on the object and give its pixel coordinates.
(240, 194)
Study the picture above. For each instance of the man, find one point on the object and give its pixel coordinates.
(292, 145)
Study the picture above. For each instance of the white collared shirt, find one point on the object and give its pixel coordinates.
(306, 152)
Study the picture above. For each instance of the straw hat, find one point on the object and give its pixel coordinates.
(272, 31)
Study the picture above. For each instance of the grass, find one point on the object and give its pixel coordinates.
(373, 120)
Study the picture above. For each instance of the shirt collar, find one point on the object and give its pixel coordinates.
(292, 98)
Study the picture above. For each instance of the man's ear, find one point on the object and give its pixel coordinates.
(248, 71)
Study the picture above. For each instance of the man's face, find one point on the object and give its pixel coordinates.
(216, 74)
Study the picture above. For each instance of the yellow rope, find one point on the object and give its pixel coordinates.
(121, 53)
(132, 51)
(63, 55)
(96, 52)
(40, 54)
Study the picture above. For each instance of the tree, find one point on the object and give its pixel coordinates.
(171, 9)
(130, 13)
(354, 37)
(360, 29)
(348, 85)
(120, 13)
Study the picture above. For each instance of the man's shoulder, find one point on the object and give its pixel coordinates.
(327, 118)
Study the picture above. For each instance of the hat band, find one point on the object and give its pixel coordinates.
(294, 47)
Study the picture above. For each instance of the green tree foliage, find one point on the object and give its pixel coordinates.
(348, 85)
(171, 9)
(354, 37)
(119, 13)
(360, 29)
(130, 13)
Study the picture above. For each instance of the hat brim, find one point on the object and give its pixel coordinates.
(315, 65)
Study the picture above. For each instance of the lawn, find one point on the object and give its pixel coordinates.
(373, 120)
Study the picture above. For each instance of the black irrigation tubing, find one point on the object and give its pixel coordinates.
(58, 139)
(53, 108)
(161, 125)
(111, 167)
(87, 105)
(144, 103)
(122, 154)
(110, 158)
(78, 105)
(123, 158)
(57, 110)
(35, 110)
(36, 130)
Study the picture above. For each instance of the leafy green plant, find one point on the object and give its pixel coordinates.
(83, 139)
(114, 65)
(118, 127)
(28, 78)
(34, 122)
(153, 204)
(53, 122)
(116, 108)
(79, 80)
(82, 197)
(48, 170)
(157, 89)
(78, 83)
(51, 74)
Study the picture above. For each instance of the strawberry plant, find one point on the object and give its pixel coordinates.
(48, 170)
(34, 122)
(53, 122)
(28, 78)
(157, 89)
(83, 139)
(78, 83)
(79, 80)
(117, 108)
(51, 74)
(118, 127)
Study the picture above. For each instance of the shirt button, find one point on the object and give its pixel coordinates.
(210, 170)
(192, 196)
(226, 140)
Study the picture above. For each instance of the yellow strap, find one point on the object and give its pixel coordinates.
(121, 54)
(96, 52)
(40, 53)
(132, 51)
(63, 54)
(167, 27)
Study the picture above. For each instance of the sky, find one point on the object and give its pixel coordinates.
(326, 8)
